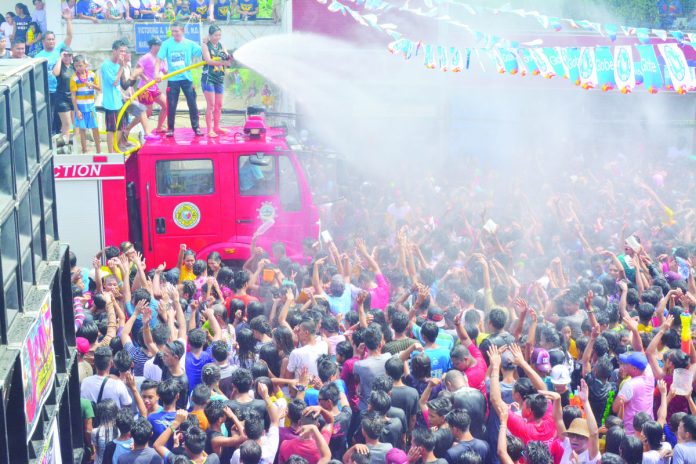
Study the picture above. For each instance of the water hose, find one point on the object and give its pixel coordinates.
(136, 94)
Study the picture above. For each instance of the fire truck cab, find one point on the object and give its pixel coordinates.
(214, 194)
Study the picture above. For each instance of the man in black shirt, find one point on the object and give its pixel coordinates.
(330, 398)
(403, 397)
(459, 422)
(423, 446)
(241, 401)
(168, 360)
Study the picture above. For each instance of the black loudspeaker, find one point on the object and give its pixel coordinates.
(33, 267)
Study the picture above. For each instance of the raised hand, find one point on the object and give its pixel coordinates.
(181, 416)
(662, 387)
(494, 357)
(667, 324)
(623, 286)
(630, 323)
(588, 300)
(521, 305)
(434, 381)
(518, 357)
(263, 390)
(583, 391)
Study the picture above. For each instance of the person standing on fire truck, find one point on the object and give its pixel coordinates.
(179, 53)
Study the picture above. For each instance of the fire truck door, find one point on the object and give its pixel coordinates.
(183, 204)
(256, 195)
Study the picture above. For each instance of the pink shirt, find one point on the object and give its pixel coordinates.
(638, 396)
(147, 62)
(379, 296)
(349, 378)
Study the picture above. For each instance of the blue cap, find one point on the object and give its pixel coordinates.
(635, 359)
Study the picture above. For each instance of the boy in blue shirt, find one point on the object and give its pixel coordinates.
(179, 53)
(112, 100)
(440, 361)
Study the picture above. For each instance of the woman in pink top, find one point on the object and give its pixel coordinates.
(152, 94)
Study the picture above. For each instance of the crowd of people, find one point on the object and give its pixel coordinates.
(437, 326)
(75, 85)
(163, 10)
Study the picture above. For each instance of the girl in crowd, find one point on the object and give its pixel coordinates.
(213, 79)
(64, 70)
(7, 28)
(34, 39)
(106, 413)
(146, 64)
(22, 20)
(185, 264)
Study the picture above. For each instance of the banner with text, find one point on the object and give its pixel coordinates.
(38, 365)
(143, 33)
(50, 454)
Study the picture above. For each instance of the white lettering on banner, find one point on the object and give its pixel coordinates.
(89, 171)
(605, 66)
(78, 170)
(648, 66)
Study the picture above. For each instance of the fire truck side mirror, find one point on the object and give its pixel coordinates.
(259, 159)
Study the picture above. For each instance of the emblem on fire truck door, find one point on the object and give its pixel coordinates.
(267, 212)
(186, 215)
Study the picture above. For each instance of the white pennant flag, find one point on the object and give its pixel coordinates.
(624, 71)
(675, 63)
(587, 68)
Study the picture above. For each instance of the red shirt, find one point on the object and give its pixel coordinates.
(544, 431)
(301, 447)
(246, 299)
(476, 375)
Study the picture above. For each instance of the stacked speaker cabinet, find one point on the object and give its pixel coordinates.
(39, 405)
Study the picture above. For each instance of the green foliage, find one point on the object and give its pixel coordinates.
(635, 12)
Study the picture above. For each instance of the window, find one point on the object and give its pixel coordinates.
(290, 199)
(257, 175)
(185, 177)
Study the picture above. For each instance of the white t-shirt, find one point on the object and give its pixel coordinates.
(6, 30)
(306, 356)
(583, 458)
(152, 371)
(114, 389)
(40, 17)
(653, 456)
(269, 446)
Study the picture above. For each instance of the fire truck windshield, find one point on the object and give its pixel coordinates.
(321, 170)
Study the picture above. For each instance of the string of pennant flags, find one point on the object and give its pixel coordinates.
(434, 9)
(598, 67)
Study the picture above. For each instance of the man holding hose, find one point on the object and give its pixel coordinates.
(179, 53)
